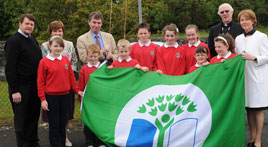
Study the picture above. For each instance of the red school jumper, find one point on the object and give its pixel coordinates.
(189, 50)
(171, 60)
(85, 73)
(218, 58)
(55, 77)
(125, 63)
(145, 54)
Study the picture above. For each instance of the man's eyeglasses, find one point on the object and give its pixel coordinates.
(226, 11)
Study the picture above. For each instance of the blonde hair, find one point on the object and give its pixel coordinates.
(249, 14)
(193, 26)
(93, 48)
(122, 44)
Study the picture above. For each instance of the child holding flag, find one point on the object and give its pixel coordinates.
(93, 54)
(124, 59)
(201, 56)
(170, 56)
(193, 38)
(224, 46)
(54, 80)
(144, 50)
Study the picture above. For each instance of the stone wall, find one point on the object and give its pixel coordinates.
(2, 61)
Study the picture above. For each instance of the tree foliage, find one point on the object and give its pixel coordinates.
(74, 14)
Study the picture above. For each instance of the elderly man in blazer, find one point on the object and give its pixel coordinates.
(226, 26)
(102, 39)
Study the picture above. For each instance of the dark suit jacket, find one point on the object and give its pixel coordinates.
(235, 30)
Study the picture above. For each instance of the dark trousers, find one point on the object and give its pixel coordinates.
(57, 105)
(91, 138)
(26, 116)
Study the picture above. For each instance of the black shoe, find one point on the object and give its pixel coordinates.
(250, 144)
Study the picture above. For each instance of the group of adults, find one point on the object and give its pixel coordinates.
(23, 54)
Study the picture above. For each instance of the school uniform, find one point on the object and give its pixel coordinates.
(125, 63)
(218, 58)
(189, 50)
(171, 60)
(54, 81)
(145, 54)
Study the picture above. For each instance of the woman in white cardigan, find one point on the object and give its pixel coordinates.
(253, 45)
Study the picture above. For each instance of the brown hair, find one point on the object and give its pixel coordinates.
(249, 14)
(229, 39)
(193, 26)
(55, 25)
(95, 15)
(171, 27)
(123, 43)
(56, 39)
(93, 48)
(201, 49)
(29, 16)
(143, 26)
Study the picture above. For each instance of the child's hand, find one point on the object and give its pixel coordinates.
(110, 67)
(205, 64)
(80, 93)
(222, 60)
(137, 66)
(44, 105)
(159, 71)
(144, 68)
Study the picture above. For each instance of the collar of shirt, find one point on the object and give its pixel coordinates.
(22, 33)
(128, 59)
(146, 44)
(53, 58)
(94, 35)
(226, 56)
(197, 65)
(176, 45)
(226, 25)
(90, 65)
(196, 44)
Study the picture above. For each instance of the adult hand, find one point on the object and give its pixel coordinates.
(44, 105)
(248, 56)
(106, 49)
(16, 97)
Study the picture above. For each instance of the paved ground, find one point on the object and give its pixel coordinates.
(75, 133)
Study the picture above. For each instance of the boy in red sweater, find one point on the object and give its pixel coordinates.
(144, 51)
(93, 54)
(170, 56)
(124, 59)
(224, 46)
(55, 78)
(193, 38)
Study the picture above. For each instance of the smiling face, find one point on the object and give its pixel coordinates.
(93, 57)
(95, 25)
(58, 32)
(201, 58)
(246, 23)
(27, 26)
(170, 38)
(225, 13)
(124, 53)
(191, 35)
(220, 48)
(143, 35)
(55, 49)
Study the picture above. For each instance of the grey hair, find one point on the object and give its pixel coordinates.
(230, 7)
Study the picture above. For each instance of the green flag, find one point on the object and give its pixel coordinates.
(127, 107)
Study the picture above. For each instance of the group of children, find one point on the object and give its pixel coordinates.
(55, 75)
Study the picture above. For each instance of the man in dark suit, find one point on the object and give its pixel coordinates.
(22, 58)
(226, 26)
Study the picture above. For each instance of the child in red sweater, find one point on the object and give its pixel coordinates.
(201, 56)
(224, 46)
(93, 54)
(170, 56)
(125, 60)
(193, 38)
(54, 80)
(144, 50)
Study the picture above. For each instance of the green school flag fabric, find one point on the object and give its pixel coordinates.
(127, 107)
